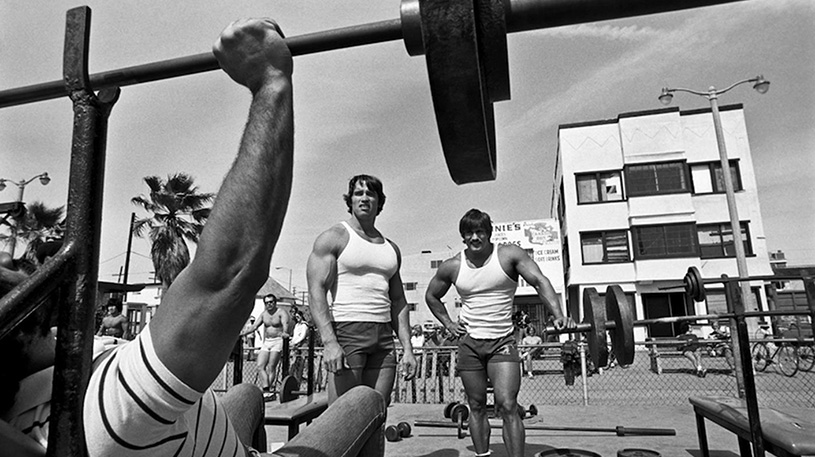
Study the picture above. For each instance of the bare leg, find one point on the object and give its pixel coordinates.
(263, 376)
(342, 382)
(506, 382)
(274, 359)
(475, 385)
(381, 380)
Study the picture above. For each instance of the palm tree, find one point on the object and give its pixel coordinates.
(178, 213)
(38, 225)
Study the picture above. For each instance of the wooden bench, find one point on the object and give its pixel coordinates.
(783, 434)
(298, 411)
(664, 349)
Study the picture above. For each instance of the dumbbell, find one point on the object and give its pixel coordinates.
(397, 432)
(527, 412)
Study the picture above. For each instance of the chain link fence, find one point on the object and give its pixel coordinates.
(656, 378)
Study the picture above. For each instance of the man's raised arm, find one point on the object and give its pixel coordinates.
(204, 310)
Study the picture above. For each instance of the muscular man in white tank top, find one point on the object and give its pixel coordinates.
(359, 268)
(486, 277)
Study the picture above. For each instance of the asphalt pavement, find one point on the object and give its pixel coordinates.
(442, 442)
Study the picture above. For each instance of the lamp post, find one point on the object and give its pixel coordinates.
(761, 86)
(44, 180)
(286, 268)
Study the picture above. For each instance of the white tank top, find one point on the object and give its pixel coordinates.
(486, 294)
(364, 270)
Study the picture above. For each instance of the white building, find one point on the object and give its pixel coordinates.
(640, 198)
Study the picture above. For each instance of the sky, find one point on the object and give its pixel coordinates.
(369, 110)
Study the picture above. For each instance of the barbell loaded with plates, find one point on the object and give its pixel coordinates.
(615, 316)
(465, 47)
(694, 284)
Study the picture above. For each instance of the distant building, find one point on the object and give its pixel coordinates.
(640, 198)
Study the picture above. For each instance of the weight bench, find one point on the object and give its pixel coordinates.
(296, 407)
(293, 413)
(783, 435)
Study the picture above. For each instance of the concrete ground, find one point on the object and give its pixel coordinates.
(441, 442)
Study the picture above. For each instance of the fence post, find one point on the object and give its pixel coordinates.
(582, 347)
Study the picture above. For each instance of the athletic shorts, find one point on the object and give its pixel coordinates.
(272, 344)
(475, 355)
(367, 345)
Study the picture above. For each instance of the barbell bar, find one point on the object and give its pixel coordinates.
(464, 43)
(618, 430)
(522, 15)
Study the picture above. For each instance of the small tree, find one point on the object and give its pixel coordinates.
(177, 215)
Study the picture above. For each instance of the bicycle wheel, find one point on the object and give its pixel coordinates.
(761, 355)
(787, 360)
(806, 357)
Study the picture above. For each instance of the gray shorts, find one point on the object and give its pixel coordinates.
(367, 345)
(475, 355)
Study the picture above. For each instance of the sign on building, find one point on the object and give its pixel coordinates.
(540, 238)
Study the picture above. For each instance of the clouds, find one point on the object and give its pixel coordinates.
(605, 32)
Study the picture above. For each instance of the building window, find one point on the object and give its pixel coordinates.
(435, 263)
(411, 306)
(410, 285)
(716, 240)
(605, 247)
(708, 178)
(665, 241)
(599, 187)
(656, 178)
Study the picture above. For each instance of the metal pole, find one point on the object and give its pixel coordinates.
(583, 372)
(13, 240)
(735, 228)
(129, 247)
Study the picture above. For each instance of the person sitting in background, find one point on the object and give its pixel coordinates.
(691, 349)
(531, 339)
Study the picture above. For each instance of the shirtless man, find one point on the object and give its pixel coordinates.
(115, 323)
(275, 321)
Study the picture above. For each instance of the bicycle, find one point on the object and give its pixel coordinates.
(806, 357)
(785, 356)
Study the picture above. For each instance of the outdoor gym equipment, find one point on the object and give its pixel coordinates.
(398, 431)
(460, 413)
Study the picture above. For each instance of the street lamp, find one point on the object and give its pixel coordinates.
(761, 86)
(44, 180)
(285, 268)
